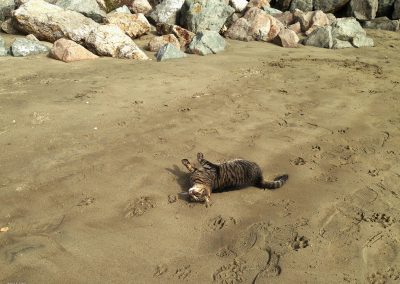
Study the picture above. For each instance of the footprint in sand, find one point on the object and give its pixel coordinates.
(139, 206)
(219, 222)
(299, 242)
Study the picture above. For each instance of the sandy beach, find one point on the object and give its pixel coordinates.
(90, 166)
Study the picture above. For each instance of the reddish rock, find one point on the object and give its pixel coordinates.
(319, 19)
(287, 38)
(258, 4)
(285, 18)
(141, 6)
(69, 51)
(184, 36)
(157, 42)
(276, 27)
(305, 19)
(134, 25)
(296, 27)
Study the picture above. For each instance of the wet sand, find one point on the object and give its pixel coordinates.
(90, 167)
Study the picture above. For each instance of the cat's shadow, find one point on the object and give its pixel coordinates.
(182, 179)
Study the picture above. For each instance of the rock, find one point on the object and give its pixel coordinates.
(8, 27)
(233, 18)
(134, 25)
(340, 44)
(31, 37)
(184, 36)
(50, 22)
(305, 19)
(282, 5)
(110, 40)
(321, 37)
(331, 18)
(239, 5)
(303, 5)
(385, 8)
(112, 5)
(157, 42)
(287, 38)
(286, 18)
(123, 9)
(200, 15)
(363, 9)
(169, 51)
(6, 7)
(319, 19)
(296, 27)
(69, 51)
(207, 42)
(141, 6)
(346, 29)
(167, 11)
(255, 24)
(261, 4)
(2, 42)
(329, 6)
(24, 47)
(382, 23)
(361, 40)
(3, 50)
(89, 8)
(272, 11)
(396, 10)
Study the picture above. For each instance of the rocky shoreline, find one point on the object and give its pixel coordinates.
(82, 29)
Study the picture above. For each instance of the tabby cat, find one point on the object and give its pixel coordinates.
(236, 173)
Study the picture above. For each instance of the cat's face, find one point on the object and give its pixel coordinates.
(197, 192)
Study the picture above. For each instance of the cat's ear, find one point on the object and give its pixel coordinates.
(200, 156)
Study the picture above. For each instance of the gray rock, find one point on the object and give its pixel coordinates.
(207, 42)
(321, 37)
(200, 15)
(340, 44)
(123, 9)
(3, 51)
(329, 6)
(24, 47)
(169, 51)
(6, 7)
(303, 5)
(50, 22)
(8, 27)
(2, 42)
(382, 23)
(239, 5)
(363, 9)
(272, 11)
(396, 10)
(362, 41)
(385, 8)
(167, 11)
(110, 40)
(346, 29)
(31, 37)
(89, 8)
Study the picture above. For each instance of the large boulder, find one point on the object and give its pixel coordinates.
(169, 51)
(207, 42)
(287, 38)
(134, 25)
(362, 41)
(330, 6)
(256, 24)
(346, 29)
(6, 7)
(382, 23)
(89, 8)
(200, 15)
(318, 19)
(159, 41)
(363, 9)
(167, 11)
(184, 36)
(396, 10)
(69, 51)
(303, 5)
(110, 40)
(50, 22)
(24, 47)
(321, 37)
(385, 8)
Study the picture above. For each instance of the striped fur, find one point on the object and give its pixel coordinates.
(236, 173)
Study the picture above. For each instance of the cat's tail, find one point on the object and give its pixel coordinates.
(276, 183)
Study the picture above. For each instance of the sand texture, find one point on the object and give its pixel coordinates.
(90, 167)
